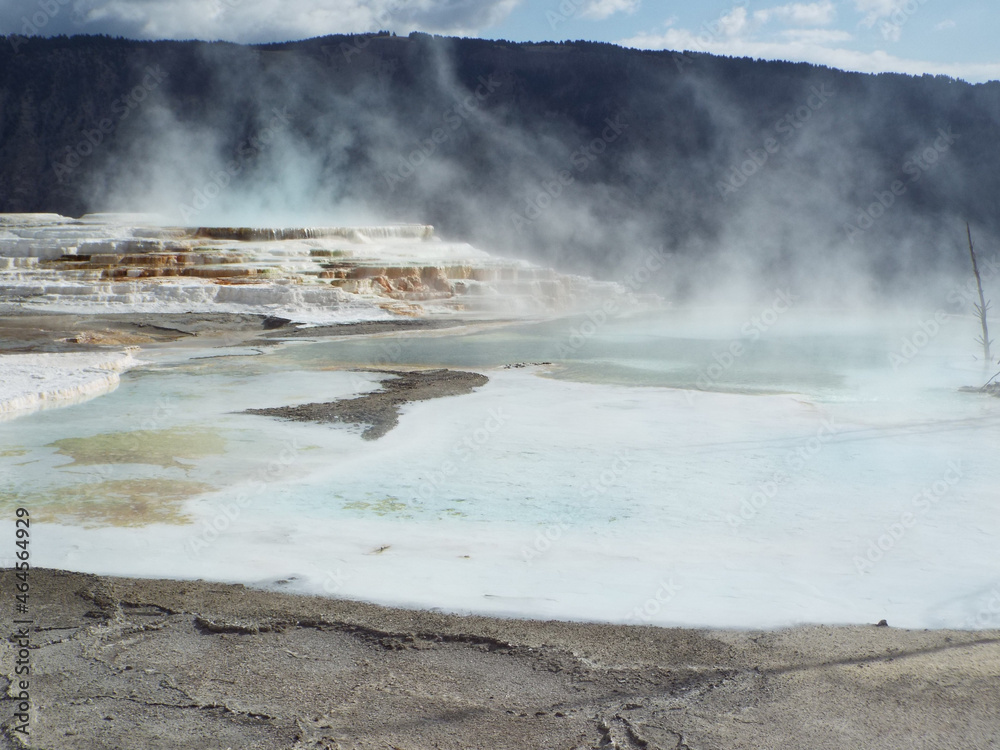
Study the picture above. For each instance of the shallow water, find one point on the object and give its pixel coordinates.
(595, 488)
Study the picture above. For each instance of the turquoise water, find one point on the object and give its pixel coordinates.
(569, 490)
(665, 349)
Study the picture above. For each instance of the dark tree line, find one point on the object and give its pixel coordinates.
(365, 107)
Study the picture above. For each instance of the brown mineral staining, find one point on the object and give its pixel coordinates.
(110, 338)
(115, 502)
(166, 448)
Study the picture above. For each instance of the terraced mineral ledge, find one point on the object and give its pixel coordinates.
(132, 278)
(36, 381)
(121, 662)
(324, 274)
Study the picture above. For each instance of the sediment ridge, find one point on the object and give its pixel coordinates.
(378, 412)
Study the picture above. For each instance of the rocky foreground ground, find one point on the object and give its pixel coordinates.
(124, 663)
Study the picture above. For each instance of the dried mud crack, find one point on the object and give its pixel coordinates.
(182, 664)
(378, 412)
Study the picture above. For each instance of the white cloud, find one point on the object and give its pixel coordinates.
(949, 24)
(890, 15)
(734, 23)
(800, 14)
(817, 36)
(601, 9)
(737, 36)
(262, 20)
(891, 32)
(876, 10)
(804, 50)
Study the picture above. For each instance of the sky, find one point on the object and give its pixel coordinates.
(957, 38)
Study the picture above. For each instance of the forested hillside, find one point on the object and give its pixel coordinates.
(579, 154)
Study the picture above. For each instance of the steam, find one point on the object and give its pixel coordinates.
(341, 133)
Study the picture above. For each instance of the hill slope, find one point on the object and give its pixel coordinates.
(577, 154)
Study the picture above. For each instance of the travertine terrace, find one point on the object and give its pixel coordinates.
(357, 273)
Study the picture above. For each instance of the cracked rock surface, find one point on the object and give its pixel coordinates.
(125, 663)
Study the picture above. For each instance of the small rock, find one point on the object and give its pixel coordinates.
(272, 321)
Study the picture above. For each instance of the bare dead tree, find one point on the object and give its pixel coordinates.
(983, 307)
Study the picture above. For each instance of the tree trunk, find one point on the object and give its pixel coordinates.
(983, 305)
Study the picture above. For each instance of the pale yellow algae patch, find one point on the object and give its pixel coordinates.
(382, 507)
(164, 448)
(117, 502)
